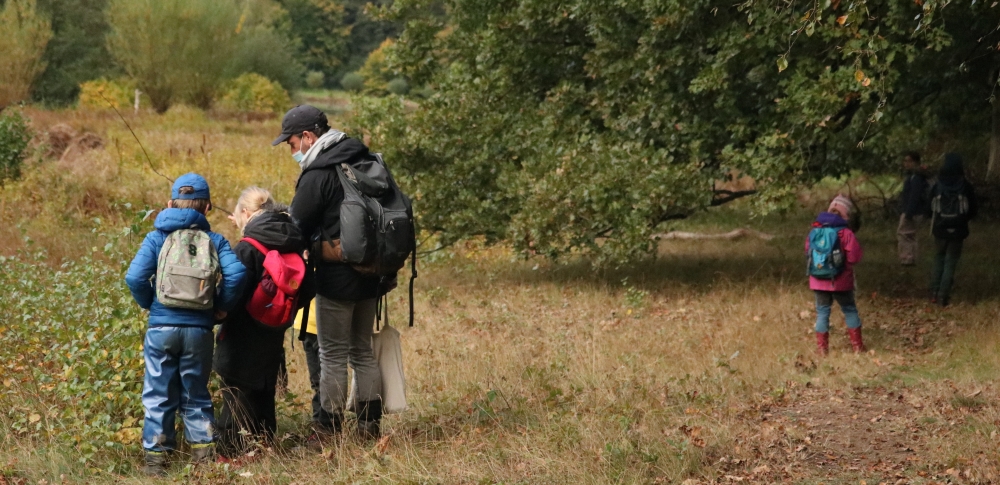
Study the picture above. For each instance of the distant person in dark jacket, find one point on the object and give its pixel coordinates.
(953, 205)
(912, 205)
(249, 354)
(346, 299)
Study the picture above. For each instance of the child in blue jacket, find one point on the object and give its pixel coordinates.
(179, 341)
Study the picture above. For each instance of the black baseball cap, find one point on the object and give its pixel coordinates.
(301, 118)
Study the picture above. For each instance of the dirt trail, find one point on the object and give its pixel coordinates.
(873, 434)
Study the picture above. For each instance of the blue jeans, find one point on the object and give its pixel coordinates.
(178, 364)
(824, 303)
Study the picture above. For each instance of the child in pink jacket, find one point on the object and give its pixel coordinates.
(841, 287)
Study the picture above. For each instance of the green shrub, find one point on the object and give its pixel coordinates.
(353, 81)
(423, 93)
(315, 79)
(255, 93)
(119, 92)
(398, 86)
(14, 138)
(72, 352)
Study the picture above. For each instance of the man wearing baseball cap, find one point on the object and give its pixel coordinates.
(346, 299)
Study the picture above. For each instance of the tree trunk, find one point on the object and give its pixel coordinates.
(993, 169)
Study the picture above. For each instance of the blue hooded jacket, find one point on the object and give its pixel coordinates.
(142, 272)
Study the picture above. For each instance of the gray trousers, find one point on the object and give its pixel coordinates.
(344, 330)
(906, 235)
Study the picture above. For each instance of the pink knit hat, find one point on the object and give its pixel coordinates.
(842, 205)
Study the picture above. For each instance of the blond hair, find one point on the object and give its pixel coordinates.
(200, 205)
(251, 201)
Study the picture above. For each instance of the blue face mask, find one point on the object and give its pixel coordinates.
(298, 156)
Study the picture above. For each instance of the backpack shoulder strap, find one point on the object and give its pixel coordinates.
(253, 242)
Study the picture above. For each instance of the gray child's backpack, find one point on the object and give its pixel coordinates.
(187, 270)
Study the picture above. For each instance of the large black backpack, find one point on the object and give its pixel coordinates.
(377, 231)
(950, 208)
(376, 218)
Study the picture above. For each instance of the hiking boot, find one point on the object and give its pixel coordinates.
(369, 430)
(823, 343)
(204, 453)
(369, 416)
(156, 464)
(856, 342)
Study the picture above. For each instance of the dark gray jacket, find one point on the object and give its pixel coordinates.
(913, 201)
(316, 207)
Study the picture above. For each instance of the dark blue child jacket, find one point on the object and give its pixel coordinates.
(141, 273)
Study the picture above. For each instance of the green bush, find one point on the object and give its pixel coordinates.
(72, 352)
(424, 92)
(315, 79)
(255, 93)
(398, 86)
(353, 81)
(97, 93)
(14, 138)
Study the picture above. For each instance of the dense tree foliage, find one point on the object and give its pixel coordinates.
(77, 52)
(321, 32)
(185, 49)
(278, 39)
(24, 33)
(368, 31)
(926, 69)
(580, 125)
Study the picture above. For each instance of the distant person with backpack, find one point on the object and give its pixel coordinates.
(250, 344)
(912, 206)
(833, 250)
(188, 278)
(340, 182)
(953, 205)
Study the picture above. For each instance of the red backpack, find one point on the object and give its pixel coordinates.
(274, 301)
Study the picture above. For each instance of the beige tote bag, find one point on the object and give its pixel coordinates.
(389, 353)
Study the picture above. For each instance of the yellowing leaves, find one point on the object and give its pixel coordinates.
(860, 76)
(782, 63)
(128, 435)
(841, 20)
(34, 418)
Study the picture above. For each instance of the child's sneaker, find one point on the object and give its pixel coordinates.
(156, 464)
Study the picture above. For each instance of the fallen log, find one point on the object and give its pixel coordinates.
(731, 235)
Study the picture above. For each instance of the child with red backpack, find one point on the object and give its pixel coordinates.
(833, 251)
(250, 345)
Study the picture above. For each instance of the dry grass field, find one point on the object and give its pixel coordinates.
(696, 367)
